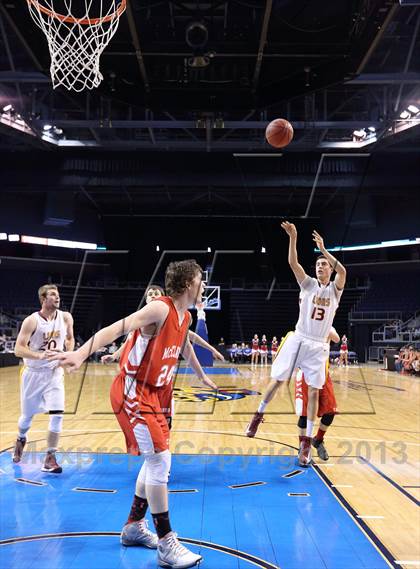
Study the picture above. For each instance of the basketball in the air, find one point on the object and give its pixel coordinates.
(279, 133)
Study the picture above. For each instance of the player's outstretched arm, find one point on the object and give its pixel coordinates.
(193, 362)
(196, 339)
(154, 313)
(340, 279)
(297, 269)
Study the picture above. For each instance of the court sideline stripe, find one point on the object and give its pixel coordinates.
(370, 534)
(388, 479)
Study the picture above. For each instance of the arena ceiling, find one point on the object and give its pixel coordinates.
(352, 65)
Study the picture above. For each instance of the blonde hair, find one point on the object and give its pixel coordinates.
(43, 291)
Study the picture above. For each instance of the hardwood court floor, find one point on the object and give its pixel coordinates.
(373, 443)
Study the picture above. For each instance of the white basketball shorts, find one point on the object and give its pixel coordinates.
(41, 390)
(296, 351)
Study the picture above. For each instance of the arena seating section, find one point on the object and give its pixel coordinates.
(392, 292)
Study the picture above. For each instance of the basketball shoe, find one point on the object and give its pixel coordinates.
(172, 554)
(320, 448)
(304, 456)
(138, 533)
(51, 465)
(252, 428)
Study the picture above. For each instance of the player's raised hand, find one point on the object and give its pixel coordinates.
(69, 360)
(319, 241)
(207, 381)
(289, 228)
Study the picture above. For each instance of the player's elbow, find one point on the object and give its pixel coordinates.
(17, 351)
(341, 270)
(294, 265)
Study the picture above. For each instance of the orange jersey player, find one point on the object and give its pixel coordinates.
(160, 335)
(327, 407)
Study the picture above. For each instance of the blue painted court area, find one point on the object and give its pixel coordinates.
(211, 371)
(255, 526)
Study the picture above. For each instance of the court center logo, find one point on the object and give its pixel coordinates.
(194, 394)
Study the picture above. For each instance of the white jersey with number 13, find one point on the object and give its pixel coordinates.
(318, 305)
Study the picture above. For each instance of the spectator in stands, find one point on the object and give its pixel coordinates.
(255, 349)
(96, 356)
(221, 342)
(243, 353)
(233, 353)
(344, 352)
(112, 348)
(408, 358)
(399, 360)
(264, 350)
(416, 363)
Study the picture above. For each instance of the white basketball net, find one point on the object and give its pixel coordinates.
(77, 40)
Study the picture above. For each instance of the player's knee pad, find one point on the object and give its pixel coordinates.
(327, 419)
(56, 422)
(158, 466)
(302, 422)
(24, 422)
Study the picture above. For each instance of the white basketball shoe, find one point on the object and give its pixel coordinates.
(138, 533)
(173, 554)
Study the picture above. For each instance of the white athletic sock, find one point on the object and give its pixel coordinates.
(309, 428)
(262, 406)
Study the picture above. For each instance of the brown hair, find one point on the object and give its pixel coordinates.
(179, 274)
(155, 287)
(43, 291)
(323, 257)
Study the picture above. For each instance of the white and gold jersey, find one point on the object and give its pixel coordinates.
(318, 305)
(48, 335)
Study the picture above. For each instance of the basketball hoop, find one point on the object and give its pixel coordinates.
(76, 42)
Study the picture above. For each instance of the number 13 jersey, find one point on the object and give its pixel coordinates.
(318, 305)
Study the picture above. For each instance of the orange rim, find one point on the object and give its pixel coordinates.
(82, 21)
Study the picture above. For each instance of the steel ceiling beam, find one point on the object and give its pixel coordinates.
(21, 38)
(385, 79)
(389, 17)
(408, 58)
(136, 43)
(10, 58)
(263, 41)
(190, 124)
(219, 54)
